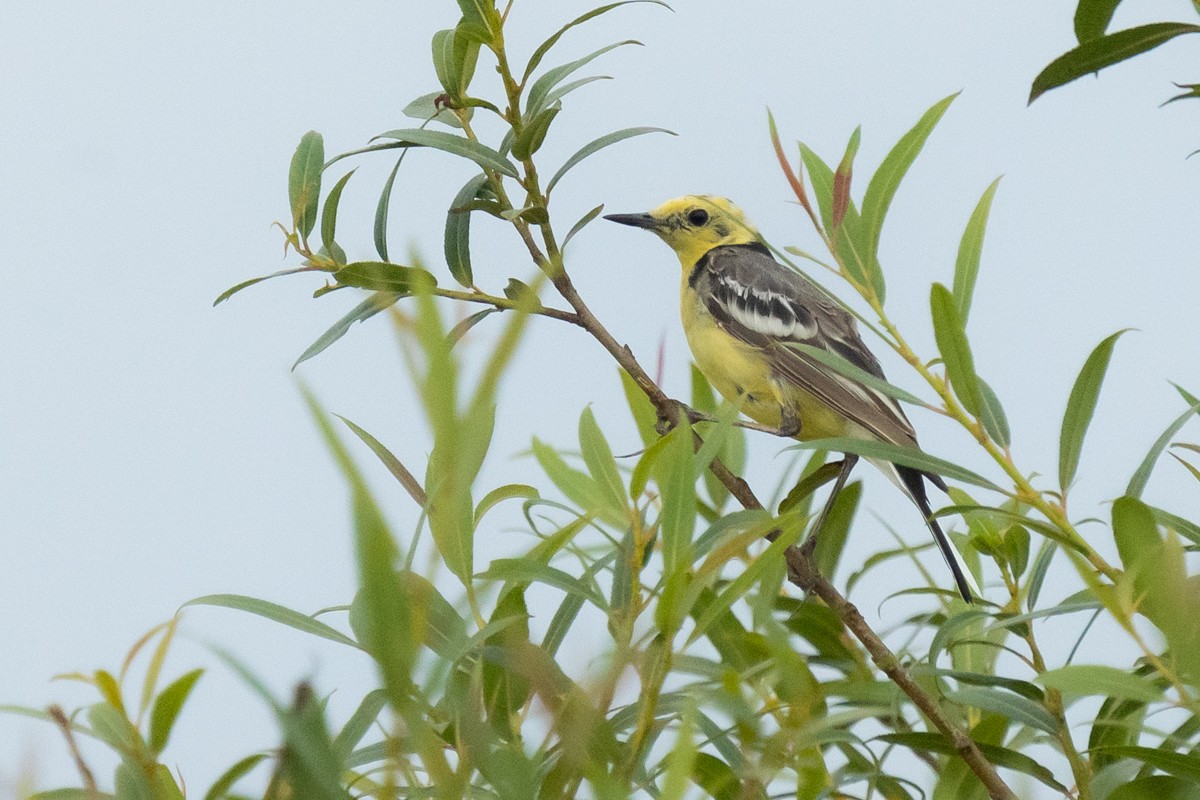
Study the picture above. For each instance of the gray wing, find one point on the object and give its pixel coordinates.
(764, 304)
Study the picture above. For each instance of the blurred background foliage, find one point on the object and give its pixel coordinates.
(678, 661)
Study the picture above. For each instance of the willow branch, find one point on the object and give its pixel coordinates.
(505, 304)
(802, 569)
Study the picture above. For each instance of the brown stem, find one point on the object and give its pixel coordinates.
(802, 570)
(64, 725)
(505, 304)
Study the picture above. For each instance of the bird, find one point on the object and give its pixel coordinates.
(742, 311)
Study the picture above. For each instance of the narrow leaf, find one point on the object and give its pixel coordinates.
(1177, 764)
(1019, 709)
(1137, 484)
(544, 47)
(1092, 18)
(1084, 680)
(1081, 405)
(458, 230)
(1104, 51)
(991, 414)
(167, 707)
(581, 224)
(383, 276)
(855, 373)
(329, 213)
(221, 786)
(906, 456)
(538, 99)
(232, 290)
(970, 250)
(598, 457)
(457, 145)
(595, 146)
(304, 182)
(955, 349)
(1000, 756)
(275, 613)
(363, 311)
(393, 464)
(891, 172)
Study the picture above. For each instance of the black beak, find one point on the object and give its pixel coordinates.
(636, 220)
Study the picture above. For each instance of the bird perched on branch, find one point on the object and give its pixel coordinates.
(743, 312)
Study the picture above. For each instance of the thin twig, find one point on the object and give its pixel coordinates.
(64, 726)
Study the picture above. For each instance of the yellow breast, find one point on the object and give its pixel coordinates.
(742, 374)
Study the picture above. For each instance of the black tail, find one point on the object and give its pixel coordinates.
(914, 482)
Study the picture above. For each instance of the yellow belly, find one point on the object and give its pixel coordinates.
(743, 375)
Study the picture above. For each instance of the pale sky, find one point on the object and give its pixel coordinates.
(154, 449)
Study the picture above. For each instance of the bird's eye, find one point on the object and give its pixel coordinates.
(698, 217)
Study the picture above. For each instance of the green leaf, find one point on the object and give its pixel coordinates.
(855, 373)
(480, 19)
(167, 707)
(455, 54)
(1019, 709)
(500, 494)
(715, 777)
(72, 794)
(382, 208)
(329, 213)
(640, 407)
(822, 183)
(387, 628)
(360, 722)
(304, 182)
(598, 457)
(383, 276)
(231, 291)
(538, 97)
(425, 108)
(458, 229)
(221, 786)
(520, 570)
(578, 487)
(842, 178)
(836, 529)
(955, 349)
(1157, 787)
(1081, 405)
(451, 143)
(1040, 566)
(531, 137)
(677, 482)
(1023, 688)
(275, 613)
(887, 178)
(1177, 764)
(111, 727)
(1000, 756)
(1137, 484)
(970, 250)
(398, 470)
(1095, 54)
(581, 224)
(991, 414)
(905, 456)
(1092, 18)
(536, 59)
(1080, 681)
(1016, 549)
(368, 308)
(737, 588)
(597, 145)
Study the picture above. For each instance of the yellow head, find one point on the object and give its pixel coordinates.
(693, 225)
